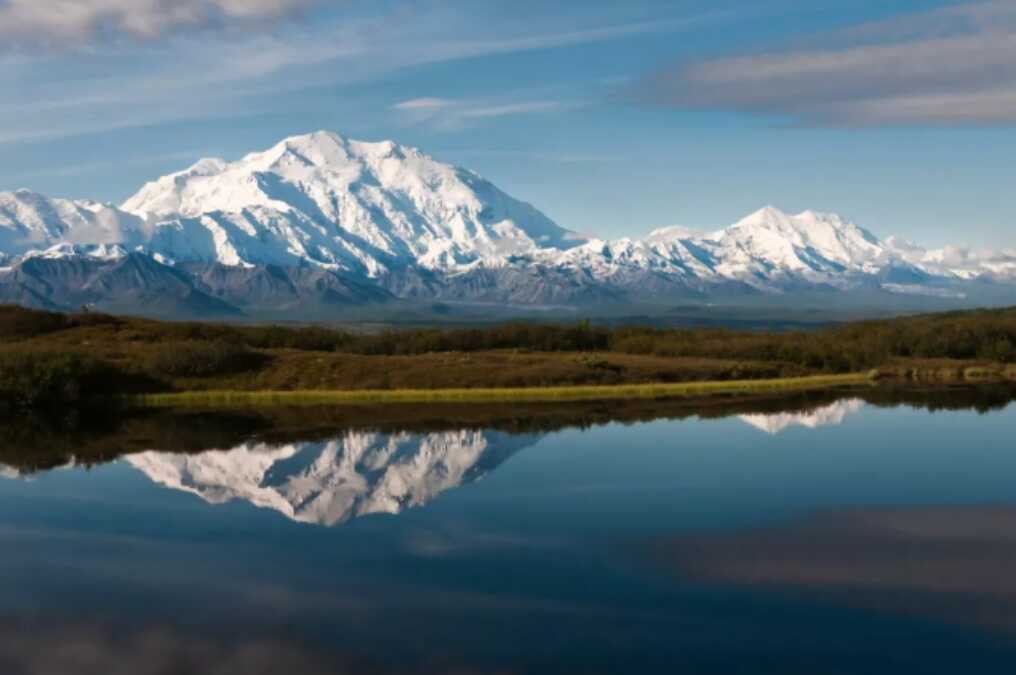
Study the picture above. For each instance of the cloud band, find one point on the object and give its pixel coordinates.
(949, 66)
(63, 22)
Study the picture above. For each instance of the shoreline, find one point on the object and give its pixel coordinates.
(657, 391)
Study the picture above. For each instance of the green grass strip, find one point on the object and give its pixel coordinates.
(507, 395)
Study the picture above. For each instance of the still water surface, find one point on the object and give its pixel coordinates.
(843, 538)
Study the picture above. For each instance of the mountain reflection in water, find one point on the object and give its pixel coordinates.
(834, 413)
(358, 473)
(828, 533)
(328, 483)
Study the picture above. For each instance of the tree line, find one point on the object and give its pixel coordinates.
(36, 367)
(980, 334)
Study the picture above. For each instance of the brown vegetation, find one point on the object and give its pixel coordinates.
(46, 357)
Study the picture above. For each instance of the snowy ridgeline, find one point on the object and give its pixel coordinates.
(391, 221)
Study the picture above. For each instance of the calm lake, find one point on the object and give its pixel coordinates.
(833, 536)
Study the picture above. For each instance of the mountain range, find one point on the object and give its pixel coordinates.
(319, 224)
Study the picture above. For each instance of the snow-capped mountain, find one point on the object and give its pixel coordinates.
(769, 250)
(343, 204)
(957, 261)
(819, 246)
(30, 222)
(320, 220)
(329, 483)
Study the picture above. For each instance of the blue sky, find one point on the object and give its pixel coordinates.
(613, 117)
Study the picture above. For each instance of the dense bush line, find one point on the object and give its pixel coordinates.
(30, 380)
(988, 335)
(852, 347)
(203, 359)
(179, 350)
(19, 323)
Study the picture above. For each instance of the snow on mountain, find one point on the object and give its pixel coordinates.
(348, 204)
(390, 220)
(65, 250)
(329, 483)
(831, 414)
(769, 250)
(626, 262)
(810, 245)
(676, 233)
(957, 261)
(32, 222)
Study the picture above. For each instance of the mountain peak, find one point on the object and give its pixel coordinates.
(349, 205)
(771, 216)
(765, 215)
(319, 148)
(320, 137)
(810, 243)
(206, 166)
(806, 222)
(330, 149)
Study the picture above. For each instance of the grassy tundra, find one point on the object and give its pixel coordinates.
(54, 359)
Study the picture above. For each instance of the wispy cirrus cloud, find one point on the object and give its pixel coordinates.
(950, 66)
(58, 23)
(548, 157)
(445, 113)
(127, 84)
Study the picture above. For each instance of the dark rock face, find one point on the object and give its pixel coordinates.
(134, 281)
(137, 283)
(282, 288)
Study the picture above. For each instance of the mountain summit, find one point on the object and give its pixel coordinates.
(319, 221)
(343, 204)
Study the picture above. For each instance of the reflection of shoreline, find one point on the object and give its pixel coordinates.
(206, 473)
(331, 482)
(31, 444)
(829, 415)
(950, 563)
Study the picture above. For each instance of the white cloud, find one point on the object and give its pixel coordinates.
(48, 94)
(522, 108)
(548, 157)
(426, 103)
(447, 114)
(955, 65)
(59, 22)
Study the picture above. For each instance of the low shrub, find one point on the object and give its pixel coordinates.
(18, 323)
(47, 379)
(203, 359)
